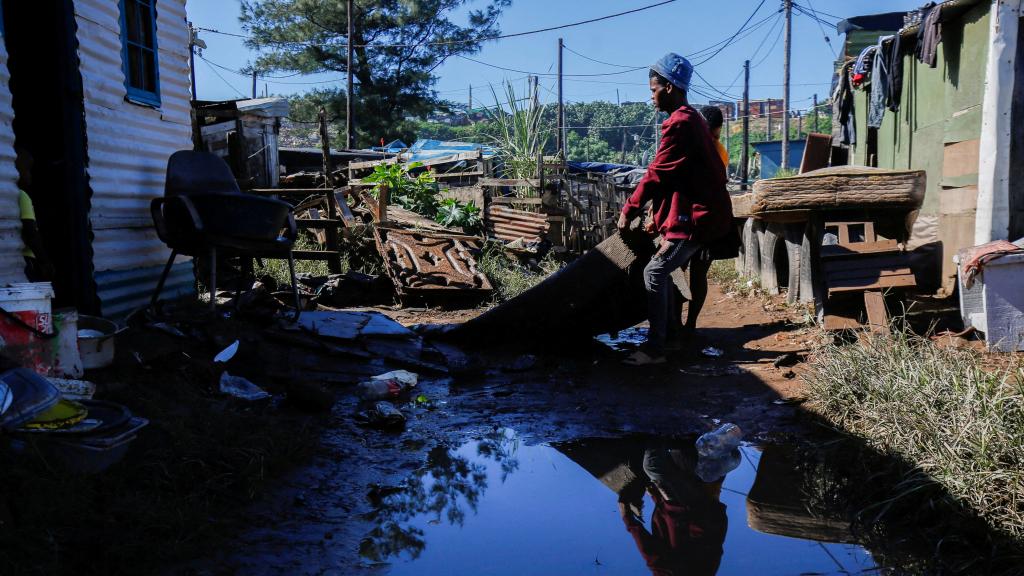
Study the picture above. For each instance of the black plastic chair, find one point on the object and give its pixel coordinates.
(203, 212)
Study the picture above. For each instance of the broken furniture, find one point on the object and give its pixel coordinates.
(203, 213)
(866, 267)
(786, 220)
(991, 277)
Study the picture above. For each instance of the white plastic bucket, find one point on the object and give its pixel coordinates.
(29, 304)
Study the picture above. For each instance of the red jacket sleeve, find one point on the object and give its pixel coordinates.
(663, 173)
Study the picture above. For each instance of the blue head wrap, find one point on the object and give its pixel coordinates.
(674, 68)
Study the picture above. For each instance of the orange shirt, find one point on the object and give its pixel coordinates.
(722, 153)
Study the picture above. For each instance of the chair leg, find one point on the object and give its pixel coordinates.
(295, 285)
(163, 279)
(213, 279)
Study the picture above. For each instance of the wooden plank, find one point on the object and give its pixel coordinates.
(816, 152)
(305, 191)
(839, 277)
(316, 222)
(443, 175)
(371, 163)
(960, 159)
(841, 251)
(837, 322)
(314, 218)
(862, 284)
(531, 230)
(515, 200)
(517, 218)
(867, 262)
(878, 317)
(534, 182)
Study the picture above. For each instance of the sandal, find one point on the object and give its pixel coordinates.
(641, 358)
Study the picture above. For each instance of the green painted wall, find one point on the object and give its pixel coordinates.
(939, 105)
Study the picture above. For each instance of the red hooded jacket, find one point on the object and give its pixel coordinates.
(685, 182)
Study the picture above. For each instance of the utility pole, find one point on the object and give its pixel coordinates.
(769, 116)
(350, 125)
(657, 131)
(788, 5)
(470, 108)
(815, 113)
(799, 125)
(254, 84)
(746, 125)
(536, 92)
(726, 141)
(618, 102)
(561, 104)
(622, 155)
(192, 37)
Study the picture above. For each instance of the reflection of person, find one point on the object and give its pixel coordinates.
(688, 524)
(37, 266)
(686, 186)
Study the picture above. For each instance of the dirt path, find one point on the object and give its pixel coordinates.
(311, 523)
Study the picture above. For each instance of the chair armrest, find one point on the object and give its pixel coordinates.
(157, 206)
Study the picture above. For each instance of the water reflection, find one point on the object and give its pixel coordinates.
(689, 523)
(447, 486)
(495, 507)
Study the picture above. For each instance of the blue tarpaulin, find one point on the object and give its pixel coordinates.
(423, 150)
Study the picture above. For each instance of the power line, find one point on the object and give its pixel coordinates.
(820, 27)
(733, 37)
(594, 59)
(833, 16)
(222, 79)
(548, 74)
(467, 41)
(769, 52)
(244, 75)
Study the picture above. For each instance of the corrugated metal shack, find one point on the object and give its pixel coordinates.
(939, 128)
(100, 106)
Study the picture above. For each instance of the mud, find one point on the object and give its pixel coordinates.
(313, 521)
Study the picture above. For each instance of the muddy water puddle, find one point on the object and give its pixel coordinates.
(605, 506)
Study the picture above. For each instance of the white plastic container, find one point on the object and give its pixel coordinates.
(994, 304)
(28, 311)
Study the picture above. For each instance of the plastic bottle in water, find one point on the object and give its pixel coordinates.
(720, 441)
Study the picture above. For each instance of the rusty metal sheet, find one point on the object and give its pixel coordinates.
(509, 224)
(421, 263)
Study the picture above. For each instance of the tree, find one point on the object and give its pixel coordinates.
(397, 46)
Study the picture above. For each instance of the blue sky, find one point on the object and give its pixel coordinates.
(685, 26)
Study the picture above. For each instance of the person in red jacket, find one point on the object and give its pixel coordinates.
(685, 185)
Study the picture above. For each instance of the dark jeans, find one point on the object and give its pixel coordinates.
(676, 254)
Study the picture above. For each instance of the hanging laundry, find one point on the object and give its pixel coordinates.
(862, 67)
(929, 35)
(843, 130)
(879, 84)
(894, 85)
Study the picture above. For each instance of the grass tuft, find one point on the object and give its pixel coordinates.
(941, 409)
(508, 276)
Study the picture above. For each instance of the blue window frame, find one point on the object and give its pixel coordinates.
(139, 55)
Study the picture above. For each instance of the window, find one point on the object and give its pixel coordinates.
(139, 52)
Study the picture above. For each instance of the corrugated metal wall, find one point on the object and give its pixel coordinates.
(12, 265)
(128, 144)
